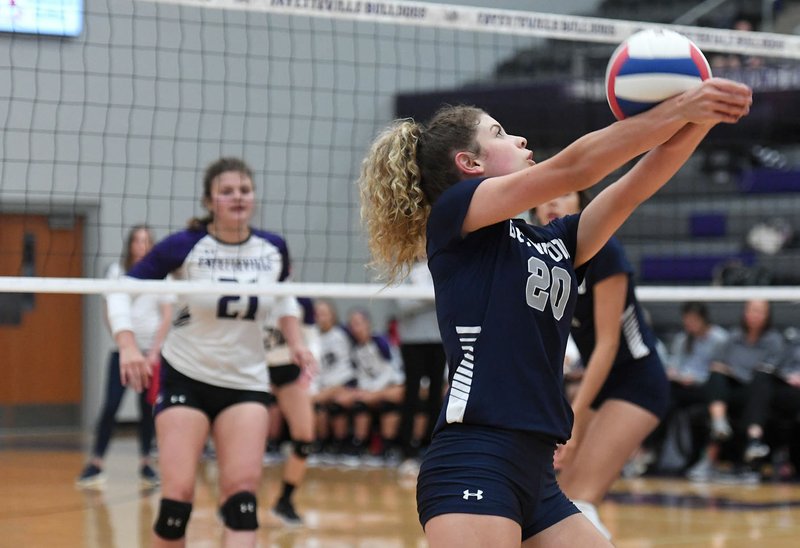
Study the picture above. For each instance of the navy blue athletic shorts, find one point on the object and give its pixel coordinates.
(641, 382)
(178, 389)
(470, 469)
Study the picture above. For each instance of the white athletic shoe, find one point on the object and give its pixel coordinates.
(588, 509)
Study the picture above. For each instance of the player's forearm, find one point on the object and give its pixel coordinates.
(290, 328)
(163, 328)
(118, 312)
(597, 154)
(125, 339)
(609, 210)
(595, 375)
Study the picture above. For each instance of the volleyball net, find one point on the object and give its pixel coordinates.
(113, 128)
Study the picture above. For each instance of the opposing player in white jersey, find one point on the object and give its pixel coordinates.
(151, 316)
(505, 293)
(336, 377)
(379, 385)
(290, 386)
(213, 374)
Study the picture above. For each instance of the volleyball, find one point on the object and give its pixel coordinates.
(651, 66)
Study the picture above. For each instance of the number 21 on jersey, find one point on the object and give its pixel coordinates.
(229, 306)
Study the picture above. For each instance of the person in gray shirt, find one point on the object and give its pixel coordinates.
(753, 346)
(693, 349)
(773, 391)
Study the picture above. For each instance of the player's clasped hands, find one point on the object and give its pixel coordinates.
(715, 100)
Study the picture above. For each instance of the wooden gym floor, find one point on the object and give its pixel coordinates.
(367, 508)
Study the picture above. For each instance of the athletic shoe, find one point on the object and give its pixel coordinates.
(409, 467)
(91, 476)
(756, 449)
(588, 509)
(721, 429)
(284, 510)
(739, 476)
(702, 470)
(148, 477)
(272, 456)
(392, 456)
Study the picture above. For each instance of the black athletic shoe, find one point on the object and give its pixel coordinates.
(91, 476)
(284, 510)
(148, 477)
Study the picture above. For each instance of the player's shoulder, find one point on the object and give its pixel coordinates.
(170, 252)
(271, 237)
(183, 239)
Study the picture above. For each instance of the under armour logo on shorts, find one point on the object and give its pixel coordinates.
(477, 494)
(177, 399)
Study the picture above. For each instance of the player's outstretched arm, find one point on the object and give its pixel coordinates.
(715, 102)
(592, 157)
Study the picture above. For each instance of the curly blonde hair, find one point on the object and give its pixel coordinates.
(407, 168)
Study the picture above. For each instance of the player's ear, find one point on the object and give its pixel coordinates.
(468, 164)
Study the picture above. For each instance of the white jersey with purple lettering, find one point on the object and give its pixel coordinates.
(216, 339)
(377, 364)
(335, 365)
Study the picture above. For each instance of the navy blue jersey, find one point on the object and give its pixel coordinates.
(637, 340)
(504, 300)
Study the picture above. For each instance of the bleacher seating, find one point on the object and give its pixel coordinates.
(700, 221)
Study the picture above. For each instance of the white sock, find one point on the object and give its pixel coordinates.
(588, 509)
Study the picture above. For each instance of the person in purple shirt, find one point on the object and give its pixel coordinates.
(505, 292)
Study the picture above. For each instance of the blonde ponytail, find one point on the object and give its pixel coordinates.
(394, 209)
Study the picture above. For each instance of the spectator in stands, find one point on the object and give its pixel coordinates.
(688, 365)
(733, 60)
(336, 377)
(379, 386)
(773, 392)
(752, 346)
(691, 353)
(423, 356)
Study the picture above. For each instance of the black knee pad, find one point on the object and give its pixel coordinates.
(239, 512)
(334, 409)
(303, 449)
(173, 516)
(359, 407)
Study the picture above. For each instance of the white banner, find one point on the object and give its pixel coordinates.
(522, 23)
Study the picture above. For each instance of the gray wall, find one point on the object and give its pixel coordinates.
(117, 124)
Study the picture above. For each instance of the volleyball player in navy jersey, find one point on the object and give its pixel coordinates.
(624, 392)
(505, 292)
(213, 375)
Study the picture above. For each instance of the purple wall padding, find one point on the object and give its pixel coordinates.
(765, 180)
(686, 268)
(707, 224)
